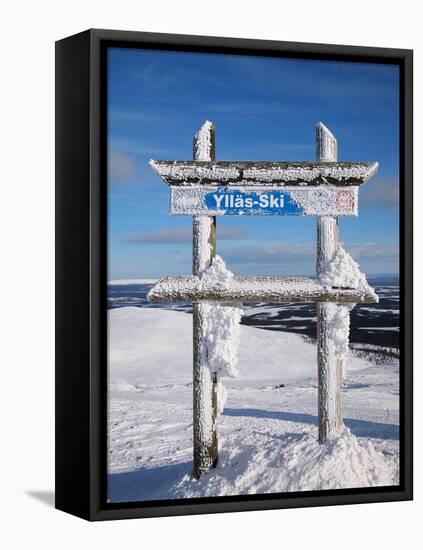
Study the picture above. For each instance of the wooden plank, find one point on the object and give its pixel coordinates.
(239, 173)
(270, 201)
(254, 289)
(327, 241)
(329, 372)
(329, 366)
(205, 445)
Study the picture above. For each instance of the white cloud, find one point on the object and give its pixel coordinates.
(135, 147)
(181, 235)
(121, 167)
(364, 251)
(272, 253)
(381, 192)
(300, 258)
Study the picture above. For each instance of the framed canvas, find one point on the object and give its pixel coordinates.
(234, 274)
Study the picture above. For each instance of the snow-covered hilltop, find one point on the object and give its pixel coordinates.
(122, 282)
(267, 432)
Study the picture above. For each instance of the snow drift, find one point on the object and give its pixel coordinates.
(268, 429)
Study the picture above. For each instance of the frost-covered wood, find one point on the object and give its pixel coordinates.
(188, 173)
(342, 271)
(255, 289)
(204, 143)
(329, 365)
(326, 188)
(327, 241)
(205, 447)
(332, 346)
(326, 144)
(204, 399)
(203, 242)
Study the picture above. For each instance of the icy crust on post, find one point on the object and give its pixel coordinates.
(222, 338)
(338, 330)
(238, 200)
(326, 144)
(201, 249)
(222, 322)
(203, 146)
(217, 275)
(344, 272)
(204, 399)
(221, 329)
(222, 396)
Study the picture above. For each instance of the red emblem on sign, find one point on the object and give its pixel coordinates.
(345, 201)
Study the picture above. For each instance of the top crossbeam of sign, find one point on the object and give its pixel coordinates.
(276, 174)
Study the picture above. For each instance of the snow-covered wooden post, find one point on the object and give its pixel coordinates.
(205, 446)
(329, 363)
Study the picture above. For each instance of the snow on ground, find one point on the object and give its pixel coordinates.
(267, 432)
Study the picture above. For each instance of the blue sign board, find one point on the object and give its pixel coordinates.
(270, 201)
(236, 202)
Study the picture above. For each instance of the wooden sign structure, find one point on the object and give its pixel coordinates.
(205, 188)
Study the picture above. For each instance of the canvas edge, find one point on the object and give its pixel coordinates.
(92, 504)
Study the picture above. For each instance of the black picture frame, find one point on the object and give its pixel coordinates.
(81, 280)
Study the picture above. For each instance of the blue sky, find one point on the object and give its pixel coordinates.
(263, 109)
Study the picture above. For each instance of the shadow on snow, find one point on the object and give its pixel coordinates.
(158, 483)
(146, 483)
(360, 428)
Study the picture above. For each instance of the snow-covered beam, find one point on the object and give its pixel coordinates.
(255, 289)
(188, 173)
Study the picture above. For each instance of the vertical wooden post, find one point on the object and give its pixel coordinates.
(205, 446)
(329, 365)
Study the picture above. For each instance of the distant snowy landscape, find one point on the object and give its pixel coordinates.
(268, 429)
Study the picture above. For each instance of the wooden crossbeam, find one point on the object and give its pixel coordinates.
(240, 173)
(255, 289)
